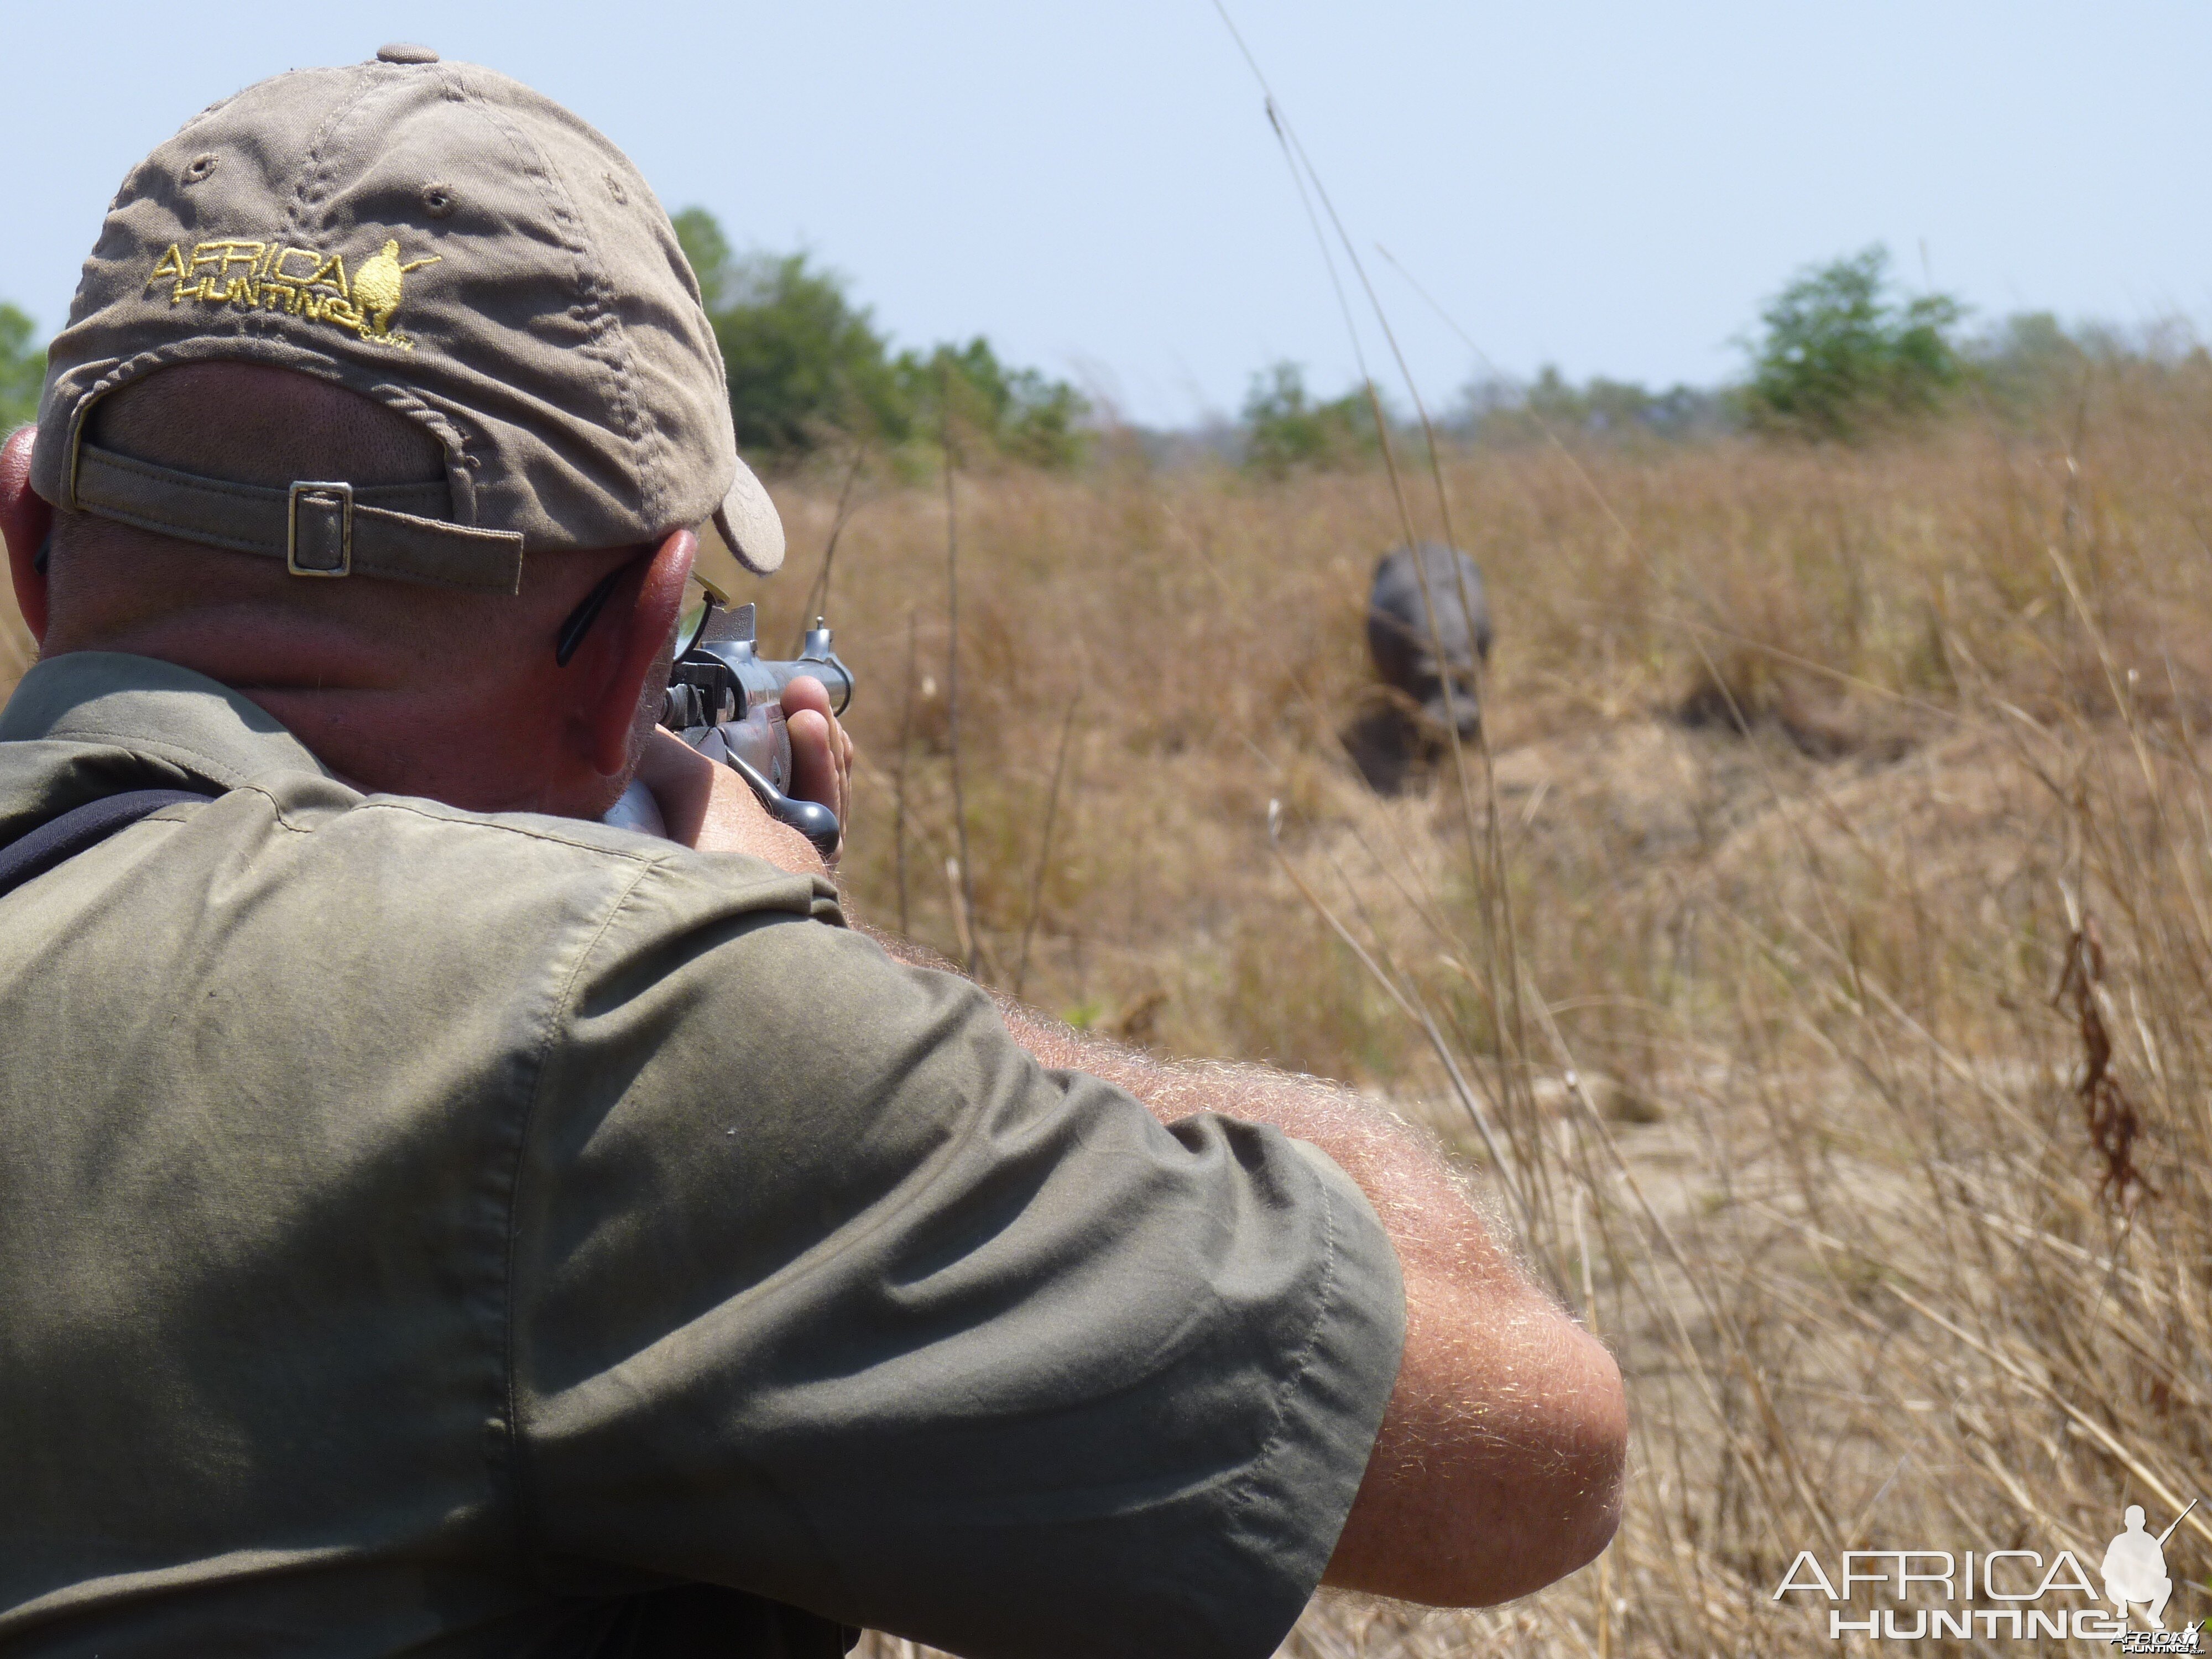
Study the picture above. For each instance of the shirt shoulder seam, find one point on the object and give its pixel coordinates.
(517, 1441)
(646, 859)
(219, 769)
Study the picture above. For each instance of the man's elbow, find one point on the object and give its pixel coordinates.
(1507, 1491)
(1569, 1493)
(1587, 1469)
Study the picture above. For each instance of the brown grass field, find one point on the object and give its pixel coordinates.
(1824, 931)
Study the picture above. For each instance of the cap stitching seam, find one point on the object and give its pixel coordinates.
(460, 480)
(453, 438)
(314, 170)
(610, 343)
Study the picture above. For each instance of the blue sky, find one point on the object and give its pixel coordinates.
(1612, 187)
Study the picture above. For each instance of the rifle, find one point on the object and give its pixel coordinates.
(725, 700)
(2178, 1519)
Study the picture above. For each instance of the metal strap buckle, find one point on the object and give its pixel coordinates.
(326, 549)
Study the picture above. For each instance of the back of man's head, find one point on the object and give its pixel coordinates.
(242, 423)
(373, 373)
(399, 685)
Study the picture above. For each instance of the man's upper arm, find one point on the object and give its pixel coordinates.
(826, 1291)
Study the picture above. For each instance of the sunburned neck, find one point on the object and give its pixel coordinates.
(390, 723)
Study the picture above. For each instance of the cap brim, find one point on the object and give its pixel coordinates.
(745, 535)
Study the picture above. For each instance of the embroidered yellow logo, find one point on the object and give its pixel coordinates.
(296, 281)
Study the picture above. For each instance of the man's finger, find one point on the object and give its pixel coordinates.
(805, 692)
(821, 749)
(816, 774)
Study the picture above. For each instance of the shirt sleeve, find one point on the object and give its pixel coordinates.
(825, 1291)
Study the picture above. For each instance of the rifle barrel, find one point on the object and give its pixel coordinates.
(2178, 1519)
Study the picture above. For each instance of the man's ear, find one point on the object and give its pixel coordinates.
(638, 636)
(26, 522)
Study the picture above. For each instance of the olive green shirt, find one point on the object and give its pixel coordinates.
(431, 1232)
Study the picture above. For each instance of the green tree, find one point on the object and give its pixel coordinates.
(2028, 364)
(23, 369)
(1841, 355)
(968, 393)
(805, 363)
(1285, 428)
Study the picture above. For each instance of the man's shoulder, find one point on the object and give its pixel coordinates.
(448, 856)
(293, 879)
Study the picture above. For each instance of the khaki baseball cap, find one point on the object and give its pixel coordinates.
(447, 242)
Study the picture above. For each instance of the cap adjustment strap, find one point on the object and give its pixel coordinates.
(318, 529)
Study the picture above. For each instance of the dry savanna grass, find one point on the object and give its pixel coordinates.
(1822, 935)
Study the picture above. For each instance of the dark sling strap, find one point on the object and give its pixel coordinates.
(63, 838)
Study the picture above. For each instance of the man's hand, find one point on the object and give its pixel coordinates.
(712, 808)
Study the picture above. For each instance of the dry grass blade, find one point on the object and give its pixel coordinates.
(962, 868)
(1044, 844)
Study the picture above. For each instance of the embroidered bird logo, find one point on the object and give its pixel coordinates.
(377, 288)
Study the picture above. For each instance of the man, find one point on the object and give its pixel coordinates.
(437, 1222)
(2134, 1569)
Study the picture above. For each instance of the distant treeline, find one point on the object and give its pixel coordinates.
(1839, 355)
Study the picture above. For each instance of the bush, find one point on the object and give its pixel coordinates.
(23, 369)
(803, 362)
(1840, 357)
(1286, 430)
(806, 366)
(966, 393)
(2031, 371)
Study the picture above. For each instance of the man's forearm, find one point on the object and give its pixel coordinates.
(1499, 1463)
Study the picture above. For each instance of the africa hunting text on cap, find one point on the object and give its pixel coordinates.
(446, 241)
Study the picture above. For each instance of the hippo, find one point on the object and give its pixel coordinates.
(1404, 734)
